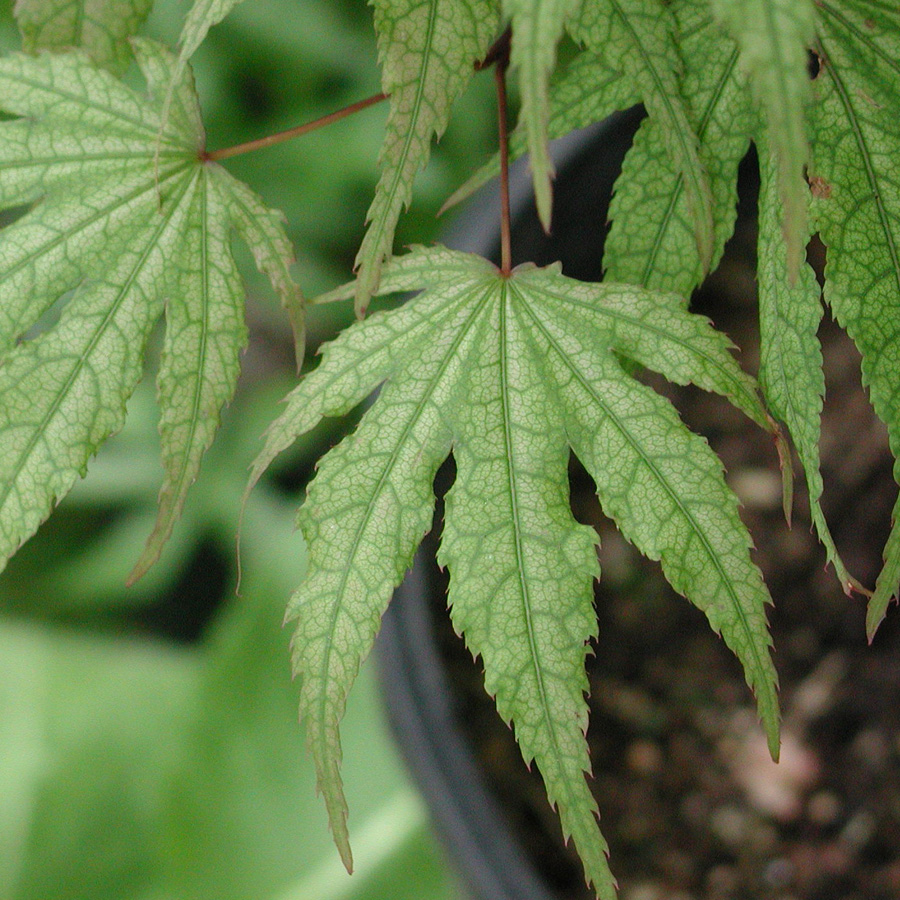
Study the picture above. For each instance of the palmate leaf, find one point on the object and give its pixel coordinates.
(856, 210)
(101, 27)
(129, 240)
(508, 374)
(428, 50)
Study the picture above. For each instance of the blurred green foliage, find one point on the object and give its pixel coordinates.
(149, 748)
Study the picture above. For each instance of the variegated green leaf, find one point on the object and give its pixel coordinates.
(129, 237)
(636, 38)
(790, 367)
(100, 27)
(652, 239)
(537, 26)
(508, 373)
(773, 36)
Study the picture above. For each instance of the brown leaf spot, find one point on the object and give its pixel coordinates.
(820, 187)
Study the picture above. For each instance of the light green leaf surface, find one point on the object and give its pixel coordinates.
(127, 243)
(101, 27)
(790, 368)
(773, 36)
(856, 209)
(428, 50)
(652, 239)
(636, 38)
(537, 26)
(492, 369)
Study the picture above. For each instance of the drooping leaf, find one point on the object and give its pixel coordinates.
(790, 367)
(636, 38)
(100, 27)
(537, 26)
(774, 36)
(129, 240)
(587, 91)
(428, 50)
(652, 238)
(508, 374)
(856, 209)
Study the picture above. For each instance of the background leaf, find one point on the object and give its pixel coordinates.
(774, 36)
(856, 208)
(101, 27)
(428, 50)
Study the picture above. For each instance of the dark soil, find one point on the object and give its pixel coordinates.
(691, 805)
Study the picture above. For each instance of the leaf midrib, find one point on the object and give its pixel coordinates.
(524, 593)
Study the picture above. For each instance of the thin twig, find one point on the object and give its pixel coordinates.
(228, 152)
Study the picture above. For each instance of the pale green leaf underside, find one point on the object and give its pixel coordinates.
(773, 36)
(101, 27)
(652, 239)
(129, 238)
(427, 49)
(492, 370)
(856, 209)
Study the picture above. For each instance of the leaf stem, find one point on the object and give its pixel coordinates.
(501, 65)
(296, 131)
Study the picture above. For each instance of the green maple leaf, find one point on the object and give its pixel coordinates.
(508, 374)
(856, 210)
(125, 238)
(428, 50)
(101, 27)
